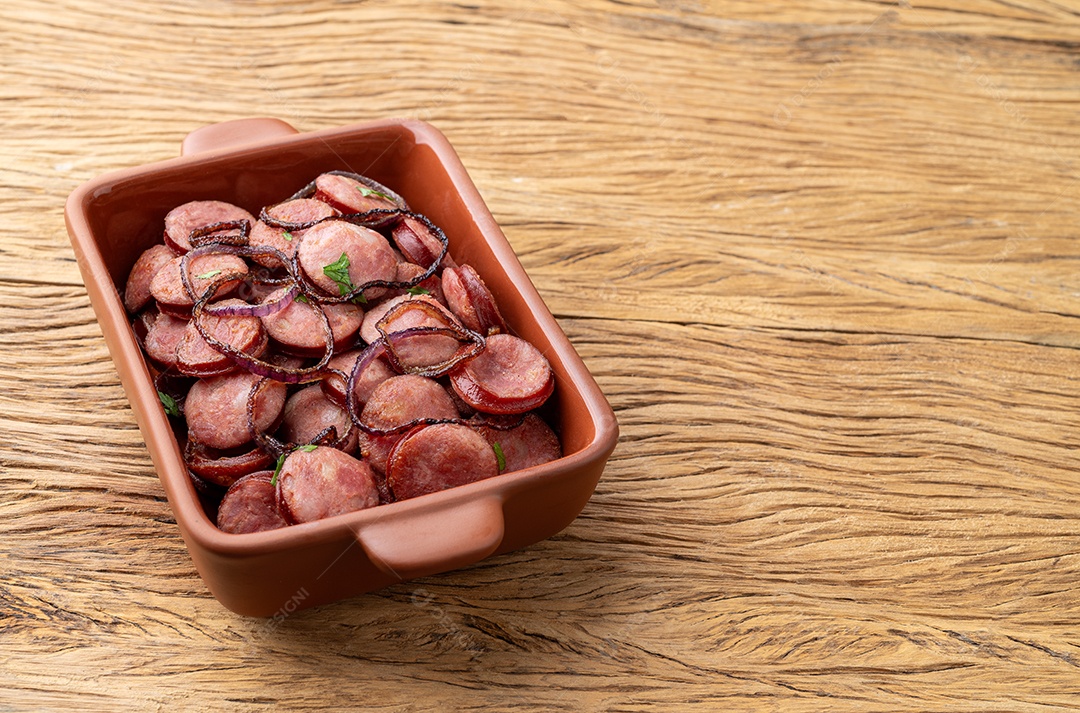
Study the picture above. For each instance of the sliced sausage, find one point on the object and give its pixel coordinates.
(367, 253)
(405, 398)
(216, 409)
(163, 338)
(434, 458)
(322, 482)
(142, 323)
(531, 443)
(351, 196)
(373, 374)
(198, 214)
(299, 210)
(224, 470)
(469, 298)
(168, 289)
(457, 299)
(509, 376)
(299, 329)
(403, 320)
(251, 505)
(245, 334)
(137, 289)
(407, 271)
(265, 236)
(308, 413)
(395, 402)
(417, 243)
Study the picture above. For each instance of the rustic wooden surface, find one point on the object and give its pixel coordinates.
(822, 260)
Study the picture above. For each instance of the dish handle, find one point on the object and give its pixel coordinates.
(229, 134)
(435, 540)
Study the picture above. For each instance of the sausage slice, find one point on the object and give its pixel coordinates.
(528, 444)
(323, 482)
(308, 413)
(509, 376)
(299, 329)
(216, 409)
(434, 458)
(250, 505)
(245, 334)
(137, 289)
(198, 214)
(362, 254)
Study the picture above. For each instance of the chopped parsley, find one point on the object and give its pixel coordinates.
(338, 271)
(499, 455)
(281, 462)
(368, 192)
(171, 407)
(208, 275)
(418, 291)
(302, 298)
(277, 469)
(287, 235)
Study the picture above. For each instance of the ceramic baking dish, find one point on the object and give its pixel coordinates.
(256, 162)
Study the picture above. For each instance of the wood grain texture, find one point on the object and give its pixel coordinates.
(820, 257)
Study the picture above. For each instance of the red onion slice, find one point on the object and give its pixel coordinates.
(257, 310)
(207, 234)
(258, 366)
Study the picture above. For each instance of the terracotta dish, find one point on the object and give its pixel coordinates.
(256, 162)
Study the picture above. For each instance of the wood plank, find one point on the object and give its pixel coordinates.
(754, 170)
(792, 514)
(819, 256)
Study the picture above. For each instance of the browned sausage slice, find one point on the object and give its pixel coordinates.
(469, 298)
(308, 413)
(531, 443)
(216, 409)
(418, 244)
(320, 482)
(405, 398)
(406, 272)
(299, 329)
(398, 401)
(167, 287)
(250, 505)
(198, 214)
(509, 376)
(245, 334)
(406, 319)
(137, 289)
(373, 374)
(224, 470)
(364, 254)
(434, 458)
(163, 338)
(349, 195)
(299, 210)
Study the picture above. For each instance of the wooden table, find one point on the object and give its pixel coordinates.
(821, 259)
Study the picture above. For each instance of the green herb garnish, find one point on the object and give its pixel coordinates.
(277, 469)
(368, 192)
(338, 271)
(208, 275)
(418, 291)
(171, 408)
(499, 455)
(281, 461)
(287, 235)
(302, 298)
